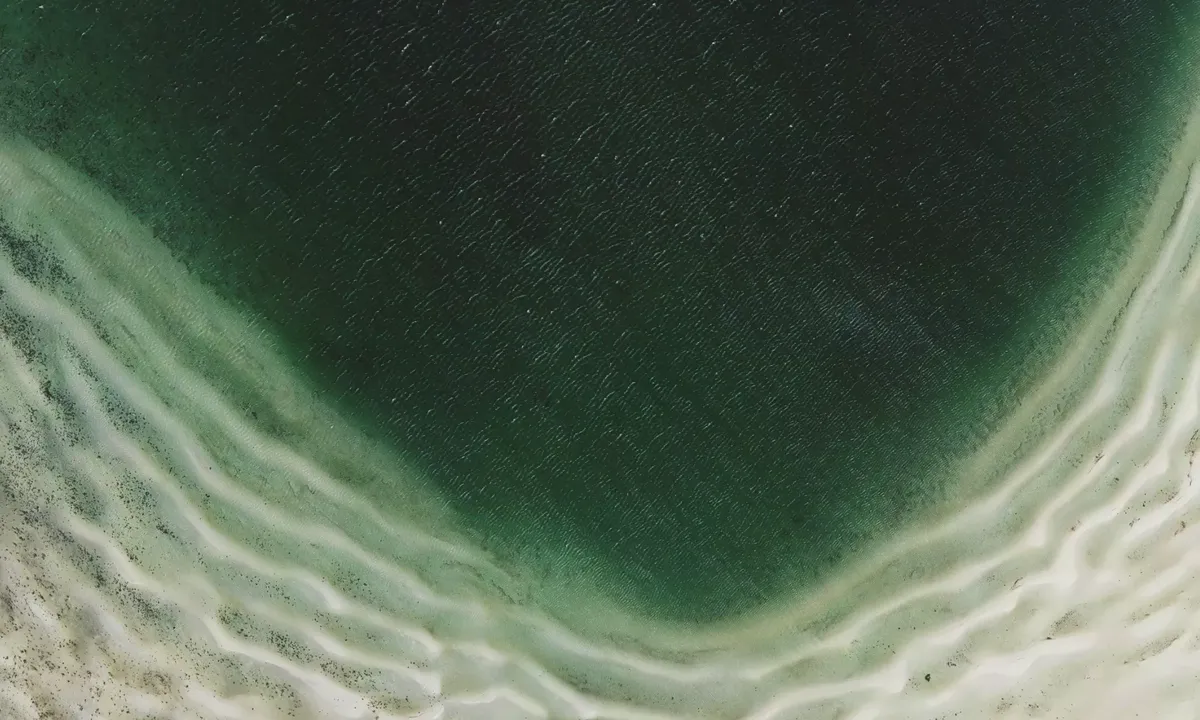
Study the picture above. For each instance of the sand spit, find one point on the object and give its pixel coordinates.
(165, 554)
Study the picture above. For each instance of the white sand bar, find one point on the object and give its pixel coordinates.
(163, 555)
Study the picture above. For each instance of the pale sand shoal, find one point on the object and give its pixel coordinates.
(163, 556)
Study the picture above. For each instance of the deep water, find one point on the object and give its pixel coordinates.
(694, 300)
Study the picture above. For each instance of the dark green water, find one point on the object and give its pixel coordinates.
(696, 298)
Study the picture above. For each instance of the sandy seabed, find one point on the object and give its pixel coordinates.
(164, 555)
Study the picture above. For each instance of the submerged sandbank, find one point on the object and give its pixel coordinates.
(176, 538)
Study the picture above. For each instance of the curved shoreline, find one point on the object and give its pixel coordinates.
(162, 551)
